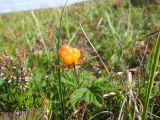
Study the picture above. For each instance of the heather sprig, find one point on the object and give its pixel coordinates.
(15, 83)
(12, 71)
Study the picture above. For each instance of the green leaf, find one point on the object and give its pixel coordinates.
(1, 81)
(84, 94)
(78, 95)
(90, 97)
(114, 59)
(85, 81)
(43, 84)
(69, 79)
(104, 85)
(68, 82)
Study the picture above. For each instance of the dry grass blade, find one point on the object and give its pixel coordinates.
(100, 114)
(131, 96)
(121, 110)
(95, 50)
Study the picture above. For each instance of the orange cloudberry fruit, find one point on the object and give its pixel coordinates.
(69, 55)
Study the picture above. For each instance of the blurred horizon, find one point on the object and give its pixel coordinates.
(8, 6)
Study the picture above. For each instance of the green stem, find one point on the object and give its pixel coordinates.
(154, 65)
(76, 74)
(58, 63)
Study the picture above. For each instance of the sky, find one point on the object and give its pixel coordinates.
(22, 5)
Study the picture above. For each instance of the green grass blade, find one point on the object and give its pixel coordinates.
(154, 65)
(58, 62)
(39, 30)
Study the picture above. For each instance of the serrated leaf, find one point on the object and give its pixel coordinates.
(68, 82)
(84, 94)
(84, 79)
(78, 95)
(69, 79)
(43, 84)
(91, 98)
(114, 59)
(104, 85)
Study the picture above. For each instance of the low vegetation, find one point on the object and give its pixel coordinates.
(95, 60)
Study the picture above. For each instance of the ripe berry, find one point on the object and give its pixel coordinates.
(69, 55)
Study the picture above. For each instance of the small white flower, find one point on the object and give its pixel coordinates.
(2, 68)
(26, 86)
(14, 77)
(22, 78)
(1, 74)
(9, 81)
(19, 78)
(14, 67)
(26, 78)
(20, 87)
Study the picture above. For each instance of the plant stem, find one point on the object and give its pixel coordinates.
(58, 63)
(76, 74)
(154, 65)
